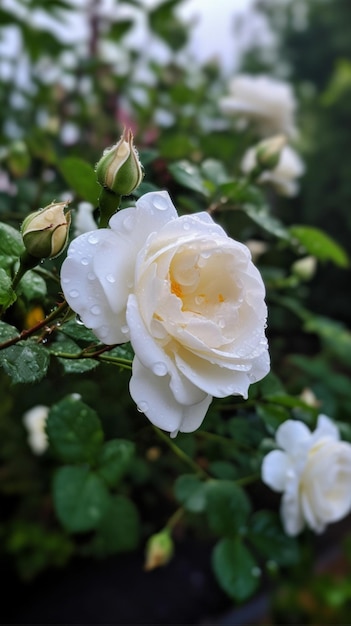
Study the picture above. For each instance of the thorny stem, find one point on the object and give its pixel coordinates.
(181, 454)
(98, 355)
(61, 308)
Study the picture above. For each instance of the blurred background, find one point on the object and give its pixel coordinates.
(73, 73)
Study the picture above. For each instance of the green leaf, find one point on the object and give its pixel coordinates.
(119, 28)
(267, 536)
(119, 529)
(80, 497)
(7, 294)
(333, 334)
(272, 416)
(227, 507)
(65, 345)
(25, 362)
(114, 460)
(189, 176)
(81, 177)
(190, 491)
(11, 242)
(244, 432)
(33, 286)
(7, 332)
(214, 171)
(74, 431)
(166, 25)
(78, 331)
(261, 216)
(235, 569)
(320, 245)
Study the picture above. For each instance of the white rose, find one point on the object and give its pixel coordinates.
(313, 470)
(83, 219)
(188, 298)
(35, 422)
(268, 102)
(283, 176)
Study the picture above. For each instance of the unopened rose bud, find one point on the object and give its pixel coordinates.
(268, 152)
(45, 232)
(159, 550)
(119, 169)
(305, 268)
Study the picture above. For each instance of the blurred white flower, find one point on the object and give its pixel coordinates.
(313, 470)
(35, 421)
(267, 102)
(257, 248)
(283, 176)
(83, 219)
(186, 295)
(305, 268)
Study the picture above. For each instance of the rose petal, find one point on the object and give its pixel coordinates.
(152, 356)
(274, 469)
(154, 397)
(291, 435)
(83, 290)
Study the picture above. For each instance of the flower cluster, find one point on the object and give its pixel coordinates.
(313, 470)
(268, 102)
(283, 176)
(186, 295)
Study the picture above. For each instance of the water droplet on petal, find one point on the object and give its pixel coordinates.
(110, 278)
(91, 276)
(124, 329)
(206, 254)
(73, 293)
(65, 281)
(186, 225)
(160, 369)
(84, 261)
(95, 309)
(93, 238)
(199, 299)
(142, 407)
(160, 203)
(79, 321)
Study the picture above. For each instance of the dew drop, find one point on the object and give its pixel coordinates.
(84, 261)
(79, 321)
(142, 407)
(73, 293)
(199, 299)
(91, 276)
(110, 278)
(65, 281)
(124, 329)
(93, 238)
(160, 369)
(186, 226)
(160, 203)
(95, 309)
(206, 254)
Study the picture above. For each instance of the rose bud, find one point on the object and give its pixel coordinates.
(45, 232)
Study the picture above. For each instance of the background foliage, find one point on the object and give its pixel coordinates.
(110, 480)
